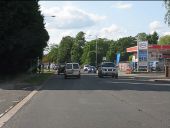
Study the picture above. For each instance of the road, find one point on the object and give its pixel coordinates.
(92, 102)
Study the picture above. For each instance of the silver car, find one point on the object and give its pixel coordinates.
(108, 69)
(72, 69)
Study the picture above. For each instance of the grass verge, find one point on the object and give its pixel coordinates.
(38, 79)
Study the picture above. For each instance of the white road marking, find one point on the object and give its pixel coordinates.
(117, 82)
(13, 110)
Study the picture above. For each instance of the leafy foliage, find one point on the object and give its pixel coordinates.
(53, 54)
(124, 43)
(164, 40)
(23, 36)
(153, 38)
(141, 36)
(64, 51)
(77, 49)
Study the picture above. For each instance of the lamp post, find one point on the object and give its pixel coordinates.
(96, 51)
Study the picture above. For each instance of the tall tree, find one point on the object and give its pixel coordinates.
(77, 49)
(153, 38)
(22, 34)
(64, 51)
(53, 54)
(111, 53)
(167, 15)
(141, 36)
(164, 40)
(84, 57)
(124, 43)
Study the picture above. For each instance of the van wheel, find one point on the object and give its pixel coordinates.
(65, 77)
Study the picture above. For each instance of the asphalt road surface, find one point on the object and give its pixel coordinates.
(92, 102)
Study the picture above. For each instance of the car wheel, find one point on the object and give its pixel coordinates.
(78, 76)
(100, 75)
(65, 77)
(116, 76)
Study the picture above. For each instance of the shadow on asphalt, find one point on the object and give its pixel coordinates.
(106, 83)
(92, 82)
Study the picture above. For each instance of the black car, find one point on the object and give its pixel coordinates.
(61, 68)
(91, 69)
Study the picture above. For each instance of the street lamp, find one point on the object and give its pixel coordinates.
(96, 51)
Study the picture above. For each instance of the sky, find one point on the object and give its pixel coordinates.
(103, 19)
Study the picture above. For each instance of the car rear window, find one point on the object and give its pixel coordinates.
(69, 66)
(108, 65)
(75, 66)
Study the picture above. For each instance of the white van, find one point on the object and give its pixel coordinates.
(72, 69)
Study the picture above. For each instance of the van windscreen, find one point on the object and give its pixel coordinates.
(69, 66)
(75, 66)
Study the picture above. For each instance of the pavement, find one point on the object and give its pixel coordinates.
(12, 92)
(151, 76)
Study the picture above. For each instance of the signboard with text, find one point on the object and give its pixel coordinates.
(143, 55)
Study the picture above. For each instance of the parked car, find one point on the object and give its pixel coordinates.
(155, 65)
(91, 69)
(55, 67)
(72, 69)
(85, 68)
(61, 69)
(108, 69)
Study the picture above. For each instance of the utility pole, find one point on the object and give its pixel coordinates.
(96, 48)
(96, 51)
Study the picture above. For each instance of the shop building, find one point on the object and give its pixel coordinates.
(156, 53)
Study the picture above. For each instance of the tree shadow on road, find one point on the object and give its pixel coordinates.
(107, 83)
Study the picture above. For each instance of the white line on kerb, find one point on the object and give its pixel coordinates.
(13, 110)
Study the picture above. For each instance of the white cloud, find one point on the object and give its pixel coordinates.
(166, 33)
(155, 26)
(113, 32)
(56, 35)
(70, 17)
(122, 5)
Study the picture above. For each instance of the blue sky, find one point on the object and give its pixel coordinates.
(105, 19)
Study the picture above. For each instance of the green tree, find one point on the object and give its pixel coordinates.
(86, 57)
(124, 43)
(141, 36)
(53, 54)
(64, 50)
(77, 49)
(167, 15)
(111, 53)
(89, 51)
(153, 38)
(23, 36)
(164, 40)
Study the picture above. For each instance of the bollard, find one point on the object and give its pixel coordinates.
(166, 71)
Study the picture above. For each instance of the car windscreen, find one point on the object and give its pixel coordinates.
(69, 66)
(108, 65)
(75, 66)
